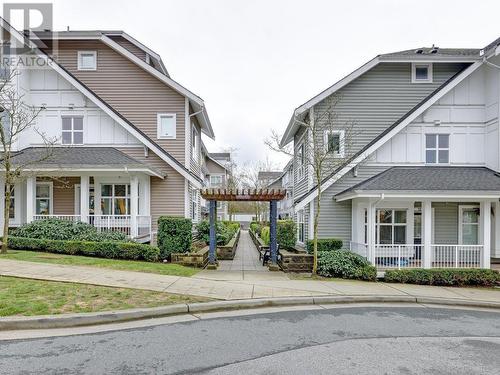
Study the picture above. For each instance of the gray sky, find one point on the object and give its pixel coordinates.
(254, 61)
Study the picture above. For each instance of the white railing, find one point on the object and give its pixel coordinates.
(456, 256)
(398, 256)
(114, 223)
(359, 248)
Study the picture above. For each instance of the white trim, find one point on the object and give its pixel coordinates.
(414, 66)
(435, 195)
(196, 150)
(341, 134)
(79, 60)
(50, 184)
(392, 132)
(159, 134)
(461, 209)
(76, 171)
(187, 135)
(436, 149)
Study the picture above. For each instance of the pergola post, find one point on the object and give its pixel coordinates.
(213, 233)
(273, 213)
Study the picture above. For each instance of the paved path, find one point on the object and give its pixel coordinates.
(253, 286)
(326, 340)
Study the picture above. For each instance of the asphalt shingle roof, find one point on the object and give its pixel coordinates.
(439, 53)
(268, 175)
(431, 179)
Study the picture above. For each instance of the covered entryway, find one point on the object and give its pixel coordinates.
(244, 195)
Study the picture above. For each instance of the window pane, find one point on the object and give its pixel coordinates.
(444, 140)
(87, 60)
(120, 190)
(42, 206)
(385, 216)
(167, 126)
(385, 234)
(66, 123)
(106, 206)
(78, 138)
(430, 156)
(78, 123)
(106, 190)
(470, 234)
(430, 140)
(400, 234)
(421, 72)
(66, 138)
(470, 216)
(42, 191)
(417, 226)
(443, 156)
(120, 206)
(400, 217)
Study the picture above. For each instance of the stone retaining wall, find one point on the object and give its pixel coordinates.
(228, 251)
(198, 259)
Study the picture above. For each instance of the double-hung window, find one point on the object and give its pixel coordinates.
(72, 130)
(115, 199)
(301, 162)
(334, 142)
(43, 198)
(469, 225)
(301, 226)
(437, 148)
(390, 227)
(194, 143)
(166, 125)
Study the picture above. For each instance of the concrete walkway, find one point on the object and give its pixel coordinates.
(250, 287)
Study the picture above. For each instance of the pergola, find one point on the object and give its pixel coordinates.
(244, 195)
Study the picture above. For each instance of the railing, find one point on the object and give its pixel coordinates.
(456, 256)
(398, 256)
(359, 248)
(114, 223)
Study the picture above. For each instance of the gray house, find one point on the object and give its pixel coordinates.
(418, 185)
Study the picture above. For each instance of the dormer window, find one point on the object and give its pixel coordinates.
(421, 73)
(87, 60)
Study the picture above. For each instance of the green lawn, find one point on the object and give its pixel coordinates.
(117, 264)
(35, 297)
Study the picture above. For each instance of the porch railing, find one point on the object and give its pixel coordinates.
(115, 223)
(398, 256)
(456, 256)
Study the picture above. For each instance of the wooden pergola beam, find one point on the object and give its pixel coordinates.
(243, 195)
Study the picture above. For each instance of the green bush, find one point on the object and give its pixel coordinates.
(286, 234)
(255, 227)
(265, 235)
(102, 249)
(346, 265)
(174, 235)
(324, 244)
(225, 231)
(57, 229)
(445, 276)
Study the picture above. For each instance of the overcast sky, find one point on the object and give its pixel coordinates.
(254, 61)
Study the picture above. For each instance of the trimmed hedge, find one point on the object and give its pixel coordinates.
(445, 276)
(58, 229)
(325, 244)
(255, 227)
(103, 249)
(286, 234)
(265, 235)
(346, 265)
(225, 231)
(174, 235)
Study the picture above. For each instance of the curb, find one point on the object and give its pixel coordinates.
(87, 319)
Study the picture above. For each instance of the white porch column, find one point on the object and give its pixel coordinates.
(370, 223)
(144, 195)
(84, 198)
(30, 198)
(496, 246)
(427, 233)
(485, 212)
(2, 203)
(134, 205)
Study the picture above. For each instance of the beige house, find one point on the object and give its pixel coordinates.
(128, 137)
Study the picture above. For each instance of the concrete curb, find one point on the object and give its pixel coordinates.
(87, 319)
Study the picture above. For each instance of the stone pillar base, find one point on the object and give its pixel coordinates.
(273, 267)
(212, 266)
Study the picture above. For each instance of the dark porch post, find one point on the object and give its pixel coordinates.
(273, 211)
(213, 234)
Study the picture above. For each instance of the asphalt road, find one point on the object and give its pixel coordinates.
(352, 340)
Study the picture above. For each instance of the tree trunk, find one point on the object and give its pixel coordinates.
(6, 220)
(315, 231)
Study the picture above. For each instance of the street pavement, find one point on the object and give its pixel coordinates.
(333, 340)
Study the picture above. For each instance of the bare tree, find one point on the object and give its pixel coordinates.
(16, 118)
(328, 146)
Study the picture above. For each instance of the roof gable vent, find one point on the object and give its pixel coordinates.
(419, 51)
(434, 49)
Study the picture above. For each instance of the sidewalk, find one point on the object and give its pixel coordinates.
(248, 288)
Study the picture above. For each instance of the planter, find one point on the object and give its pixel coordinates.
(296, 262)
(257, 241)
(197, 259)
(228, 251)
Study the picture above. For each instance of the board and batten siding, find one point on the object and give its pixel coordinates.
(130, 90)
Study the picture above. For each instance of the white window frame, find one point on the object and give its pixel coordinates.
(414, 67)
(80, 56)
(392, 224)
(341, 134)
(159, 116)
(195, 143)
(113, 196)
(301, 227)
(194, 205)
(50, 198)
(301, 165)
(216, 175)
(13, 198)
(72, 130)
(437, 148)
(461, 209)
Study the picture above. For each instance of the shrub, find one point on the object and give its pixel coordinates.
(265, 235)
(225, 231)
(324, 244)
(102, 249)
(286, 234)
(57, 229)
(255, 227)
(346, 265)
(174, 235)
(444, 276)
